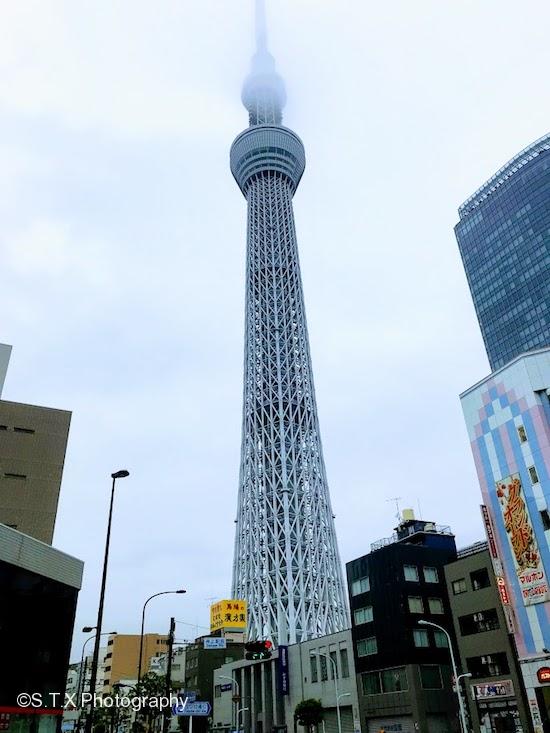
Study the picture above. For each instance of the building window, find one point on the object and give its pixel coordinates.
(333, 665)
(480, 579)
(344, 664)
(490, 665)
(476, 623)
(360, 586)
(522, 434)
(430, 677)
(459, 586)
(436, 605)
(545, 519)
(430, 575)
(440, 638)
(28, 431)
(387, 680)
(313, 666)
(420, 637)
(415, 604)
(533, 475)
(394, 680)
(370, 682)
(366, 647)
(324, 671)
(217, 690)
(411, 573)
(362, 615)
(18, 476)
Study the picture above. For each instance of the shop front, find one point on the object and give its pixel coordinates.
(497, 707)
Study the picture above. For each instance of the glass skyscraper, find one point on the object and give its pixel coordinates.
(504, 240)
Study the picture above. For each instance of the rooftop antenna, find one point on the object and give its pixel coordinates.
(397, 499)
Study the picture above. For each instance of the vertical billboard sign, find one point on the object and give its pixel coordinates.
(532, 578)
(284, 681)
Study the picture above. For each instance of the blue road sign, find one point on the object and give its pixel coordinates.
(214, 642)
(192, 708)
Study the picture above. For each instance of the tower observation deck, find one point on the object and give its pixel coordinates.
(286, 562)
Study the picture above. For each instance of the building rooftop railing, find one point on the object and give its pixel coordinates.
(473, 549)
(406, 532)
(503, 174)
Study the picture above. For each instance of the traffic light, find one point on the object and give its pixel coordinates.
(258, 649)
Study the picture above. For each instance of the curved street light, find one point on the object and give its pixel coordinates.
(335, 675)
(463, 723)
(233, 682)
(162, 593)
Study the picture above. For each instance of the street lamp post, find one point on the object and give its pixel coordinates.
(463, 723)
(162, 593)
(335, 675)
(233, 682)
(81, 673)
(95, 659)
(239, 711)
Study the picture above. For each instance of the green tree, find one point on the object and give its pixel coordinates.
(309, 713)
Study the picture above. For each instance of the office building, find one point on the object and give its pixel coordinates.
(39, 587)
(286, 562)
(495, 692)
(33, 441)
(403, 667)
(504, 240)
(508, 420)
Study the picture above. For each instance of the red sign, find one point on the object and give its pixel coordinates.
(543, 675)
(489, 532)
(501, 584)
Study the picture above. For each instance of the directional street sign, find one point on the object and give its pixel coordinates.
(192, 708)
(214, 642)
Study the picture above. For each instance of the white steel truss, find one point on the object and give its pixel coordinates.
(286, 562)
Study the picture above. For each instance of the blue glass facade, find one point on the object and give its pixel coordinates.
(504, 240)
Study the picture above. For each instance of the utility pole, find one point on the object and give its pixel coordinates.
(168, 710)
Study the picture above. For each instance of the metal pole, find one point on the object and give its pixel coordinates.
(335, 675)
(167, 712)
(95, 659)
(463, 723)
(241, 710)
(233, 705)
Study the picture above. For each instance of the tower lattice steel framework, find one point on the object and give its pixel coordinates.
(286, 560)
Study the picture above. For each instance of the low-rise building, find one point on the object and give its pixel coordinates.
(261, 696)
(494, 693)
(403, 666)
(121, 659)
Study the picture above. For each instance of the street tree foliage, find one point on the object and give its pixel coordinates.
(309, 713)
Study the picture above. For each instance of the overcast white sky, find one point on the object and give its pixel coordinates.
(122, 253)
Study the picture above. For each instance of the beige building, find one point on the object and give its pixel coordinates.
(122, 657)
(33, 441)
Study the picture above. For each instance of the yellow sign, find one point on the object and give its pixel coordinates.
(228, 615)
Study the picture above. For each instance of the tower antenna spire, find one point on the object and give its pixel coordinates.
(261, 26)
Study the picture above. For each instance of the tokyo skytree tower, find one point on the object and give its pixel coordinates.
(286, 562)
